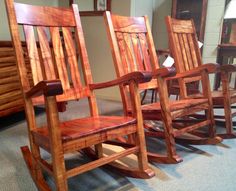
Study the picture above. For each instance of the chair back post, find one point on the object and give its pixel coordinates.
(15, 35)
(84, 59)
(116, 58)
(132, 49)
(21, 67)
(151, 45)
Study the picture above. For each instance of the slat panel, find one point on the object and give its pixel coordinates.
(44, 16)
(137, 52)
(184, 56)
(46, 54)
(188, 52)
(121, 45)
(10, 79)
(33, 54)
(72, 58)
(11, 104)
(59, 57)
(129, 51)
(192, 49)
(146, 58)
(10, 96)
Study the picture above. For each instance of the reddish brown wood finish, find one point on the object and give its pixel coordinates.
(11, 99)
(133, 50)
(56, 77)
(184, 48)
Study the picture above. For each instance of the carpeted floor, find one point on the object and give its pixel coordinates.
(205, 168)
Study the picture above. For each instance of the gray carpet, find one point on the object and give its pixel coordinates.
(210, 168)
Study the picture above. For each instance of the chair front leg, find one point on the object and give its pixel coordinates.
(166, 118)
(227, 102)
(58, 161)
(36, 169)
(207, 94)
(140, 139)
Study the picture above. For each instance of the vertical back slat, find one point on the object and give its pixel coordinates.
(183, 51)
(121, 45)
(49, 69)
(59, 57)
(137, 52)
(188, 52)
(146, 57)
(72, 58)
(177, 51)
(130, 52)
(192, 50)
(33, 54)
(197, 50)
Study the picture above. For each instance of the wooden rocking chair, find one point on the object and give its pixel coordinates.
(51, 84)
(184, 48)
(133, 50)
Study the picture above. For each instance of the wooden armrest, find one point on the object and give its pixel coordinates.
(210, 68)
(138, 77)
(164, 72)
(47, 88)
(228, 68)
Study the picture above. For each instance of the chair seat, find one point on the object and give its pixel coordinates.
(174, 105)
(83, 127)
(218, 97)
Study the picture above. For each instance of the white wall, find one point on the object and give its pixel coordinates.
(99, 49)
(162, 8)
(141, 8)
(4, 28)
(215, 12)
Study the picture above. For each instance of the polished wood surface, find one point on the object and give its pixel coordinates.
(184, 48)
(57, 77)
(133, 50)
(11, 99)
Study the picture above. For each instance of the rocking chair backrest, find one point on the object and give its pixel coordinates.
(132, 47)
(54, 37)
(183, 44)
